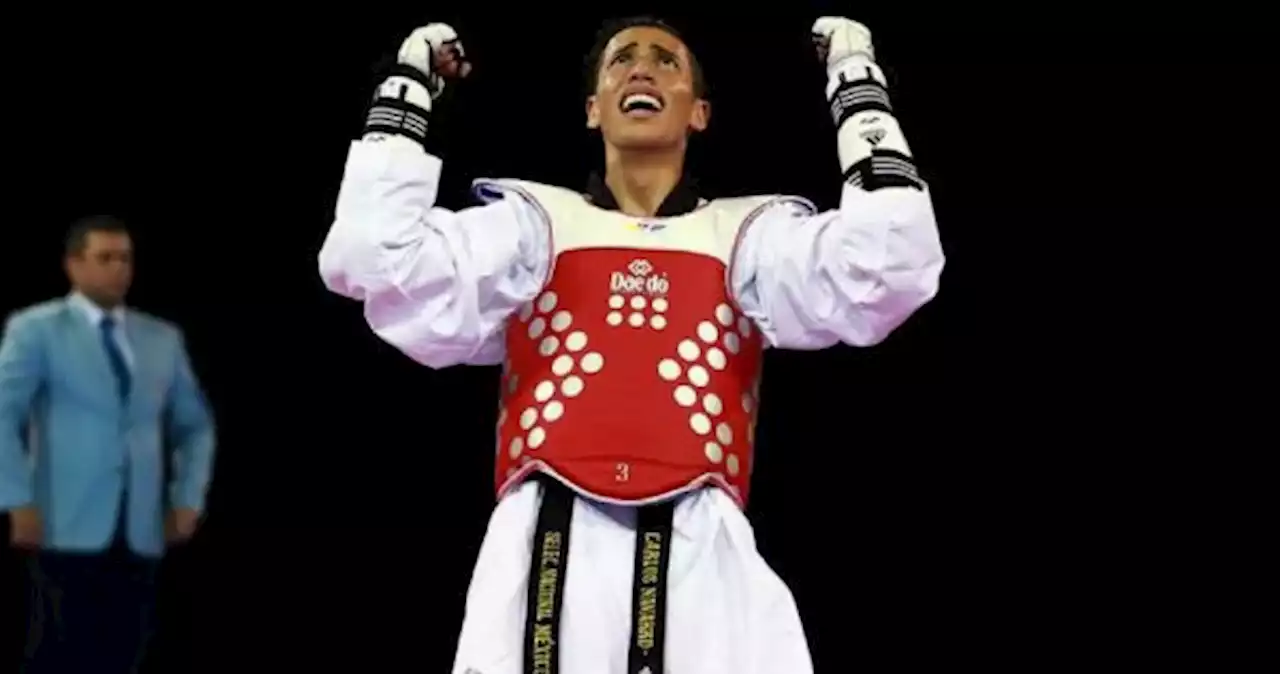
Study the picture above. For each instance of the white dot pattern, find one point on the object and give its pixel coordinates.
(561, 321)
(698, 376)
(571, 387)
(631, 311)
(715, 453)
(724, 434)
(592, 363)
(668, 369)
(731, 342)
(704, 350)
(724, 314)
(697, 356)
(551, 330)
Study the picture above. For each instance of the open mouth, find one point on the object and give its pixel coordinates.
(641, 105)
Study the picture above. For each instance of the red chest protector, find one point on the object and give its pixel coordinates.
(633, 375)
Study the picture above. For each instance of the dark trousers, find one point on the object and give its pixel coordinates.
(90, 613)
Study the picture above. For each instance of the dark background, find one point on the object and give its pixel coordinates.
(903, 490)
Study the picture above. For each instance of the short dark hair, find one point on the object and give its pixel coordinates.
(612, 27)
(78, 235)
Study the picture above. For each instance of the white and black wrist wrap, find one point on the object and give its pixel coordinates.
(873, 151)
(402, 104)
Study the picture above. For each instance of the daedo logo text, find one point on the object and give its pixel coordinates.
(639, 279)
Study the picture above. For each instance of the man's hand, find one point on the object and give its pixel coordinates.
(181, 525)
(26, 529)
(837, 38)
(436, 51)
(429, 57)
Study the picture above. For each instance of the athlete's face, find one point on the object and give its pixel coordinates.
(644, 96)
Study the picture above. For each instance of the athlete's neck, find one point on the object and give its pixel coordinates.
(641, 181)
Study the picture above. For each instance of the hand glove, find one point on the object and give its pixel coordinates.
(430, 56)
(838, 39)
(873, 152)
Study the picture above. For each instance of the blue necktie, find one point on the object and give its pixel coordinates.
(115, 356)
(123, 380)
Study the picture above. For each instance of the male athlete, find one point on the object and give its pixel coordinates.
(630, 323)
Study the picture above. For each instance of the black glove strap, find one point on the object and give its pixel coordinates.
(397, 116)
(860, 95)
(884, 168)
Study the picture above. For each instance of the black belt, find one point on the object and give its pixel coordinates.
(546, 580)
(547, 574)
(649, 588)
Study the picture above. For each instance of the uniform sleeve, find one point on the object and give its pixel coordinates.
(850, 275)
(854, 274)
(436, 284)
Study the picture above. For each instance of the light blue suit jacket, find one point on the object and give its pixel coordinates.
(69, 444)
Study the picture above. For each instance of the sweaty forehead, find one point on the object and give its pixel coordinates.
(647, 36)
(108, 241)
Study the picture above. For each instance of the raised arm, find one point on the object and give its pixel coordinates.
(852, 275)
(436, 284)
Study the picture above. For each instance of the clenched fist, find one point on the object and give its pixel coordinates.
(837, 38)
(401, 107)
(436, 51)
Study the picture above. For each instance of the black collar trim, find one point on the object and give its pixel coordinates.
(683, 199)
